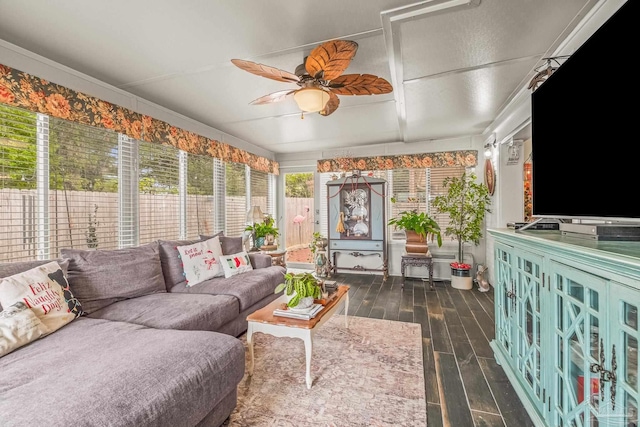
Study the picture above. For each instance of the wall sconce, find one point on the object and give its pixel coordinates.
(489, 145)
(488, 150)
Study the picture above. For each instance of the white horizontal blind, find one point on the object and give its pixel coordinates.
(83, 182)
(128, 233)
(416, 189)
(219, 195)
(200, 200)
(235, 200)
(260, 191)
(18, 201)
(159, 187)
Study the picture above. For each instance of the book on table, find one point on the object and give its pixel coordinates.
(306, 314)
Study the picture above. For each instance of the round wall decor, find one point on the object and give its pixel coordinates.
(489, 176)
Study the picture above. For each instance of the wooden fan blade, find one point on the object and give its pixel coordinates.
(360, 84)
(272, 97)
(266, 71)
(330, 59)
(332, 104)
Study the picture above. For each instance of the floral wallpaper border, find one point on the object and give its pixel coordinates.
(464, 158)
(23, 90)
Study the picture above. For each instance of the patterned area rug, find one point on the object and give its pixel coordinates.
(367, 375)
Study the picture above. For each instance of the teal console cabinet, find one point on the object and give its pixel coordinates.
(566, 313)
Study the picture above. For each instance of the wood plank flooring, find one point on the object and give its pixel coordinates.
(464, 385)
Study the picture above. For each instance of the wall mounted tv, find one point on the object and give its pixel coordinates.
(585, 133)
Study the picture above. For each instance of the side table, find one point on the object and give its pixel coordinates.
(417, 260)
(277, 257)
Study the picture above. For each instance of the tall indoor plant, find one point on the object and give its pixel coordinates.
(466, 202)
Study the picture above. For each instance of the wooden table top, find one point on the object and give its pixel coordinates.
(265, 314)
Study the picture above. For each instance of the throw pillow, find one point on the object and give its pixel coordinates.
(44, 290)
(235, 264)
(231, 245)
(18, 326)
(102, 277)
(200, 260)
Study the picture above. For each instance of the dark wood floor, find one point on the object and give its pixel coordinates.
(464, 385)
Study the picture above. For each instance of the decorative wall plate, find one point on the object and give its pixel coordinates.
(489, 176)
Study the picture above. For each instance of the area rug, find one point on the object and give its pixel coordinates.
(367, 375)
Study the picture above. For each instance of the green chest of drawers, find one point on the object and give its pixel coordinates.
(567, 326)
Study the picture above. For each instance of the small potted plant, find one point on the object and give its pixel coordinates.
(466, 202)
(419, 227)
(301, 288)
(264, 230)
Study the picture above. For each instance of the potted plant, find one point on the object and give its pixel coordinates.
(466, 202)
(419, 227)
(264, 230)
(302, 288)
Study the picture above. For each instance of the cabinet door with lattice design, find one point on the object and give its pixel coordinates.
(504, 296)
(530, 298)
(621, 391)
(579, 345)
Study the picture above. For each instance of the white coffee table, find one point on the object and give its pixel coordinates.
(264, 321)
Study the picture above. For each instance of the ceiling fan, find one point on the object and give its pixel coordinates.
(320, 78)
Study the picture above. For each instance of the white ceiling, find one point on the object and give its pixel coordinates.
(454, 64)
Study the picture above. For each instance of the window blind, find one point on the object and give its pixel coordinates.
(18, 183)
(159, 200)
(235, 200)
(416, 189)
(200, 199)
(83, 182)
(260, 191)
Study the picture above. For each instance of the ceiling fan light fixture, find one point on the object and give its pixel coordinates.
(311, 99)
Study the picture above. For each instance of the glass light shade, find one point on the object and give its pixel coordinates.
(255, 214)
(311, 99)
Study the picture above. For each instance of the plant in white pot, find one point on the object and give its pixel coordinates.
(301, 289)
(467, 203)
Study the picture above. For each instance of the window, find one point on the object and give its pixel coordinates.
(159, 192)
(83, 186)
(416, 189)
(260, 191)
(18, 181)
(235, 200)
(200, 201)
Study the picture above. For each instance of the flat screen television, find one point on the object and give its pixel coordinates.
(584, 128)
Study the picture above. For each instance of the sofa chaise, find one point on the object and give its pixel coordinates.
(148, 351)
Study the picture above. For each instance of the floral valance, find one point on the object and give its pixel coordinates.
(463, 158)
(38, 95)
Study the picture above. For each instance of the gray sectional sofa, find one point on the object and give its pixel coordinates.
(149, 351)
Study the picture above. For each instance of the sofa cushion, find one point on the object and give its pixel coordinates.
(171, 263)
(174, 311)
(18, 326)
(102, 277)
(45, 290)
(248, 288)
(95, 372)
(200, 260)
(235, 264)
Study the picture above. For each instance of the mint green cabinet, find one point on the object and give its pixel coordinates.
(566, 313)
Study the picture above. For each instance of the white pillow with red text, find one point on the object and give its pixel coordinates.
(200, 260)
(46, 292)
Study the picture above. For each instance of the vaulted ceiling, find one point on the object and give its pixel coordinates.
(453, 64)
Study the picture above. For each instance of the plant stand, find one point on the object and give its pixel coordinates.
(461, 278)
